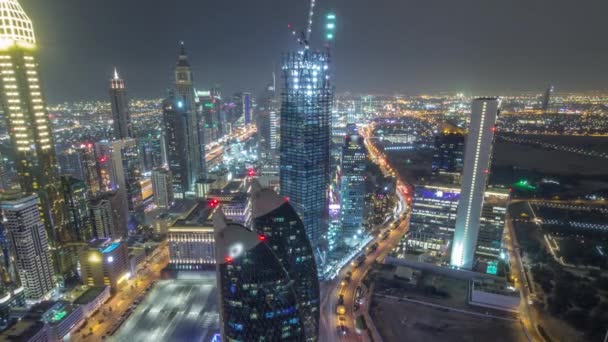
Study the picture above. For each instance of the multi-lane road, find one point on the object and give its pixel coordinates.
(348, 291)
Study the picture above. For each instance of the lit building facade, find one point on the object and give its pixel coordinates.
(120, 108)
(433, 218)
(163, 188)
(448, 156)
(478, 154)
(29, 244)
(28, 122)
(257, 298)
(352, 189)
(191, 240)
(306, 103)
(107, 215)
(75, 197)
(282, 230)
(104, 263)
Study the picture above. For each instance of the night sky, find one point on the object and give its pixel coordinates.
(382, 46)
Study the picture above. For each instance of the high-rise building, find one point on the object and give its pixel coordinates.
(492, 225)
(184, 143)
(448, 156)
(105, 263)
(267, 122)
(107, 215)
(546, 101)
(257, 297)
(126, 170)
(75, 197)
(477, 158)
(70, 163)
(28, 123)
(5, 178)
(247, 108)
(433, 218)
(30, 245)
(305, 136)
(352, 189)
(282, 230)
(120, 108)
(92, 177)
(163, 188)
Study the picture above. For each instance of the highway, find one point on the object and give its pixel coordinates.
(100, 324)
(214, 150)
(331, 291)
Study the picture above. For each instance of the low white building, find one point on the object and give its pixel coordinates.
(493, 294)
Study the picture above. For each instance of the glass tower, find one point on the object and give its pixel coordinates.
(120, 108)
(352, 189)
(276, 220)
(257, 297)
(305, 136)
(478, 153)
(22, 102)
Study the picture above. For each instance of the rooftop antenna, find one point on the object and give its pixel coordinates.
(311, 13)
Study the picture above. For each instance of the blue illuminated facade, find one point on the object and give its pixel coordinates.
(352, 189)
(305, 137)
(276, 220)
(257, 297)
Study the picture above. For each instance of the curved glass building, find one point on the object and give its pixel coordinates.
(257, 298)
(276, 220)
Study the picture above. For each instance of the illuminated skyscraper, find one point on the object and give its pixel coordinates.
(257, 297)
(478, 154)
(75, 197)
(163, 188)
(352, 189)
(120, 108)
(184, 143)
(449, 151)
(28, 123)
(305, 137)
(30, 245)
(276, 220)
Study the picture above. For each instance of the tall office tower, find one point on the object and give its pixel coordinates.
(5, 177)
(30, 245)
(246, 101)
(546, 101)
(127, 175)
(352, 189)
(211, 109)
(478, 154)
(92, 177)
(267, 123)
(70, 163)
(492, 226)
(257, 299)
(306, 103)
(448, 156)
(75, 197)
(184, 144)
(283, 231)
(162, 187)
(27, 120)
(195, 142)
(150, 150)
(104, 216)
(120, 108)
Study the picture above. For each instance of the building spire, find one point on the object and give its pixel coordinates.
(182, 48)
(116, 74)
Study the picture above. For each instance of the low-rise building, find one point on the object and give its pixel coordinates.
(92, 299)
(104, 263)
(494, 294)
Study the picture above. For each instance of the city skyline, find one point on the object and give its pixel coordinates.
(412, 56)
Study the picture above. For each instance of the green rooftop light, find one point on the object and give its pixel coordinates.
(331, 16)
(330, 36)
(331, 26)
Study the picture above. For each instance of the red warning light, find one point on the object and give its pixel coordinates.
(251, 172)
(262, 237)
(213, 202)
(103, 159)
(494, 129)
(486, 171)
(228, 259)
(286, 199)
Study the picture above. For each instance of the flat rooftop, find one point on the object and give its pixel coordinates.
(175, 310)
(89, 295)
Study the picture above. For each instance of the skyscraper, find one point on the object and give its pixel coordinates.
(478, 154)
(184, 143)
(127, 175)
(546, 100)
(107, 215)
(283, 231)
(27, 120)
(257, 298)
(75, 197)
(305, 136)
(92, 177)
(449, 150)
(163, 188)
(352, 189)
(30, 245)
(120, 108)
